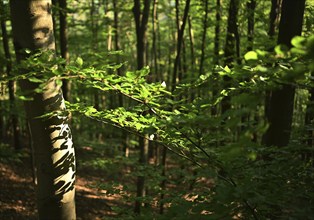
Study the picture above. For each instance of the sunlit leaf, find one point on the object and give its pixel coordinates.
(251, 55)
(79, 61)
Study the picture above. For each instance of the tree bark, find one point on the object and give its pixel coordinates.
(309, 121)
(51, 137)
(251, 5)
(180, 34)
(205, 21)
(141, 20)
(66, 85)
(280, 107)
(274, 17)
(191, 42)
(155, 52)
(217, 32)
(231, 47)
(11, 83)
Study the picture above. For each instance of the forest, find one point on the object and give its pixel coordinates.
(157, 109)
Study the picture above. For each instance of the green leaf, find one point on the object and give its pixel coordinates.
(227, 69)
(298, 41)
(24, 98)
(131, 75)
(281, 50)
(251, 55)
(35, 80)
(79, 61)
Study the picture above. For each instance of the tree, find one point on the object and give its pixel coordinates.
(51, 137)
(66, 87)
(205, 24)
(11, 83)
(180, 34)
(251, 5)
(231, 47)
(141, 20)
(281, 101)
(274, 17)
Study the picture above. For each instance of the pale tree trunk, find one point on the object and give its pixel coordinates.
(51, 137)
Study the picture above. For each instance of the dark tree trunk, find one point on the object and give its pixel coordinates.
(66, 87)
(231, 47)
(274, 17)
(180, 34)
(251, 5)
(217, 32)
(163, 182)
(232, 32)
(205, 24)
(141, 20)
(155, 54)
(309, 125)
(280, 107)
(11, 85)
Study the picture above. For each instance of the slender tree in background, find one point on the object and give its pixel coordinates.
(251, 5)
(217, 32)
(66, 86)
(11, 84)
(232, 37)
(180, 34)
(205, 24)
(51, 137)
(191, 36)
(231, 47)
(309, 120)
(141, 20)
(274, 17)
(155, 54)
(281, 102)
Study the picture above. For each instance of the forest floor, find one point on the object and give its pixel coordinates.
(17, 194)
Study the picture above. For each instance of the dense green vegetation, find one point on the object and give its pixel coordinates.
(187, 124)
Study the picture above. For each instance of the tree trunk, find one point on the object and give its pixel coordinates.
(180, 34)
(280, 107)
(163, 182)
(309, 121)
(251, 5)
(51, 137)
(274, 17)
(141, 20)
(217, 32)
(155, 54)
(231, 47)
(191, 35)
(205, 21)
(66, 85)
(11, 84)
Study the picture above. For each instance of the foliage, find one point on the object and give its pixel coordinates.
(217, 168)
(243, 179)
